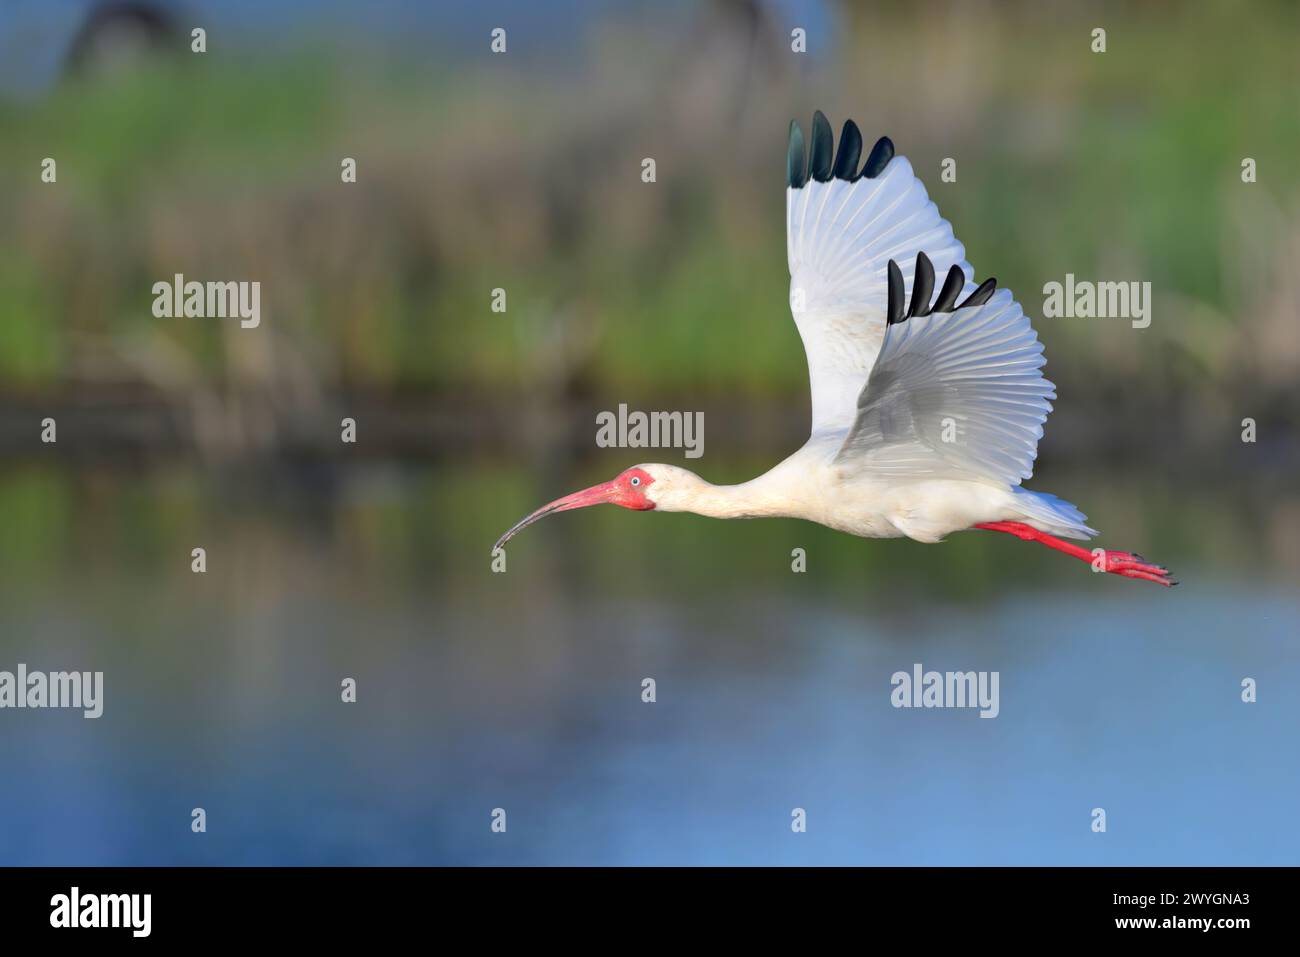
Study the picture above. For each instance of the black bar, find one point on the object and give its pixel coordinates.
(334, 905)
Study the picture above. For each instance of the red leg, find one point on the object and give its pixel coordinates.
(1117, 563)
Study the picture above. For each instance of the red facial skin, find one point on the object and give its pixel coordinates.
(628, 489)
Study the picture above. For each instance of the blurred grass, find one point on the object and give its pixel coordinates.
(1123, 165)
(488, 173)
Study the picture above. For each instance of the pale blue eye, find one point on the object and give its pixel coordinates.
(636, 480)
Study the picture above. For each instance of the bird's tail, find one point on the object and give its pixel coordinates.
(1053, 515)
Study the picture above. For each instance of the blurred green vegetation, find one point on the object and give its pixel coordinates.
(394, 534)
(495, 174)
(1122, 165)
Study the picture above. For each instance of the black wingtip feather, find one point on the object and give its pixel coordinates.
(821, 162)
(952, 287)
(795, 170)
(823, 149)
(895, 313)
(846, 160)
(880, 156)
(981, 295)
(922, 286)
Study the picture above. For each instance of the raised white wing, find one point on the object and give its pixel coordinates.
(843, 226)
(954, 395)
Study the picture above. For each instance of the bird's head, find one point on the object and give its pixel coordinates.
(642, 487)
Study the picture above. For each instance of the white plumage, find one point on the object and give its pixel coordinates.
(926, 411)
(918, 410)
(954, 395)
(840, 236)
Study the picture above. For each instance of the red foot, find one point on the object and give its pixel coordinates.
(1127, 564)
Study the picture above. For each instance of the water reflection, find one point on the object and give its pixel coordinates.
(523, 691)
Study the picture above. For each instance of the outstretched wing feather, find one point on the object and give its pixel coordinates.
(954, 395)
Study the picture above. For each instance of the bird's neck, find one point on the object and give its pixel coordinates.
(753, 499)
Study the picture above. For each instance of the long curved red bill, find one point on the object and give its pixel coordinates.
(596, 495)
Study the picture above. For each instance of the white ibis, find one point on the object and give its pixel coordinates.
(926, 411)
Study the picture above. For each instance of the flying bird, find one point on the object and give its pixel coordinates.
(926, 408)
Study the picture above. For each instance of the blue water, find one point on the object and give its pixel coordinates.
(523, 692)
